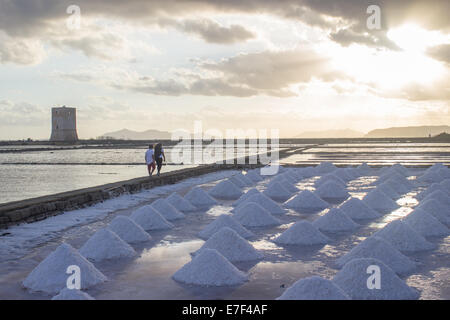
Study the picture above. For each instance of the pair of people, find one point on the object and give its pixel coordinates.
(154, 157)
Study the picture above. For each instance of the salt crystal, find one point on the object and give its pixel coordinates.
(302, 233)
(105, 244)
(210, 268)
(314, 288)
(50, 275)
(150, 219)
(128, 230)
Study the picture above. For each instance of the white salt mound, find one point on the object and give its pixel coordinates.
(434, 187)
(302, 233)
(332, 191)
(105, 244)
(404, 171)
(254, 176)
(364, 169)
(180, 203)
(425, 224)
(231, 245)
(335, 220)
(210, 268)
(248, 182)
(253, 215)
(353, 280)
(271, 206)
(245, 196)
(325, 167)
(396, 177)
(72, 294)
(397, 186)
(50, 275)
(357, 209)
(168, 211)
(388, 190)
(306, 201)
(314, 288)
(285, 183)
(307, 172)
(277, 192)
(238, 181)
(403, 237)
(343, 174)
(225, 190)
(330, 177)
(221, 222)
(440, 196)
(437, 209)
(199, 198)
(128, 230)
(446, 184)
(435, 176)
(150, 219)
(379, 201)
(378, 248)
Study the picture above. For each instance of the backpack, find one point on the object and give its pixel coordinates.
(158, 149)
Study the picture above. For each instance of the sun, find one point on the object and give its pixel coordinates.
(413, 38)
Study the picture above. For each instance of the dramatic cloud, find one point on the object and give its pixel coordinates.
(441, 53)
(20, 52)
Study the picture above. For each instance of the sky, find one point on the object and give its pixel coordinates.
(291, 65)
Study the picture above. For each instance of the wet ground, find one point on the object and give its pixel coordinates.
(148, 276)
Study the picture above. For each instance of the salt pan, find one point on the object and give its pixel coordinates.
(210, 268)
(271, 206)
(357, 209)
(277, 192)
(50, 275)
(231, 245)
(72, 294)
(128, 230)
(332, 191)
(353, 280)
(253, 215)
(199, 198)
(306, 202)
(221, 222)
(379, 201)
(335, 220)
(225, 190)
(378, 248)
(403, 237)
(425, 224)
(105, 244)
(314, 288)
(168, 211)
(302, 233)
(180, 203)
(150, 219)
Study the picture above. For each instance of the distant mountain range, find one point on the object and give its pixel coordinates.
(407, 132)
(343, 133)
(126, 134)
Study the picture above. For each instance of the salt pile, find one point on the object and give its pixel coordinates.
(364, 169)
(352, 172)
(128, 230)
(248, 182)
(314, 288)
(307, 172)
(221, 222)
(425, 224)
(332, 191)
(335, 220)
(285, 183)
(168, 211)
(404, 171)
(302, 233)
(180, 203)
(290, 177)
(277, 192)
(105, 244)
(210, 268)
(50, 275)
(388, 190)
(330, 177)
(397, 186)
(245, 196)
(378, 248)
(436, 166)
(307, 202)
(437, 209)
(434, 187)
(440, 196)
(254, 176)
(231, 245)
(150, 219)
(446, 184)
(325, 167)
(72, 294)
(253, 215)
(403, 237)
(225, 190)
(271, 206)
(357, 209)
(199, 198)
(394, 176)
(435, 176)
(379, 201)
(353, 280)
(343, 174)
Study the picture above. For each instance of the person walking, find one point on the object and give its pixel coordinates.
(150, 160)
(159, 157)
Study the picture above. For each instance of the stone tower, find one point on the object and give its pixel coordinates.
(64, 125)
